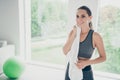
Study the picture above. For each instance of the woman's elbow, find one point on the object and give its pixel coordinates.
(104, 58)
(65, 50)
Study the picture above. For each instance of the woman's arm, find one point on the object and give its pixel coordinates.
(100, 47)
(98, 42)
(68, 44)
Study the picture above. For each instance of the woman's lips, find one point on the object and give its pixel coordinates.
(81, 23)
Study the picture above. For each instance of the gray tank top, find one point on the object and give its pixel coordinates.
(86, 47)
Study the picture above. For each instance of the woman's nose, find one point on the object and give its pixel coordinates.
(80, 19)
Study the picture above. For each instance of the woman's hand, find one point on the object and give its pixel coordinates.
(82, 64)
(74, 31)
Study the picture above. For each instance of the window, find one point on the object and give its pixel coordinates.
(48, 27)
(109, 27)
(48, 32)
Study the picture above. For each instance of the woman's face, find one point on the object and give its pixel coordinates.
(82, 18)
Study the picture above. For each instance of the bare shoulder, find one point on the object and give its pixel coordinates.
(97, 37)
(96, 34)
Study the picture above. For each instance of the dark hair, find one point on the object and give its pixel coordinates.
(88, 12)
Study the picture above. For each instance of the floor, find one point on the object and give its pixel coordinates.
(33, 72)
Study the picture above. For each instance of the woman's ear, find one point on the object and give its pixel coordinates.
(90, 17)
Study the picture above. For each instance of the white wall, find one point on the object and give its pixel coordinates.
(9, 22)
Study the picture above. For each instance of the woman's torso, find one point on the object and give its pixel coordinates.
(86, 46)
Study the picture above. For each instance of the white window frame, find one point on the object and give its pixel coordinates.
(25, 28)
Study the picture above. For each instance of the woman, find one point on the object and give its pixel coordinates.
(89, 40)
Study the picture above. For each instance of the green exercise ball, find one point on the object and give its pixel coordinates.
(13, 67)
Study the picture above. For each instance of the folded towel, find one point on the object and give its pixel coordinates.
(72, 57)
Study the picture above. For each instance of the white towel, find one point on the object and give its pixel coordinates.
(74, 72)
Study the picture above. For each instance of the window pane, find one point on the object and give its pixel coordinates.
(49, 19)
(109, 27)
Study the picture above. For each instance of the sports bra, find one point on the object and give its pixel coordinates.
(86, 47)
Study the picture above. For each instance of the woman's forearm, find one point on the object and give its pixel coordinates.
(97, 60)
(68, 44)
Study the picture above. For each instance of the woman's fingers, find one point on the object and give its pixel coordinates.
(78, 65)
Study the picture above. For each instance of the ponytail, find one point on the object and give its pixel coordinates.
(90, 25)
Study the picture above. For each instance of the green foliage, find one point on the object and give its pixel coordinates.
(35, 26)
(109, 27)
(48, 17)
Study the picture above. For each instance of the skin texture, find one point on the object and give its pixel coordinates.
(83, 20)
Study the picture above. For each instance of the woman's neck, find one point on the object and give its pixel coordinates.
(85, 29)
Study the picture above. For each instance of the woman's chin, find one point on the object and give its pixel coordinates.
(81, 24)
